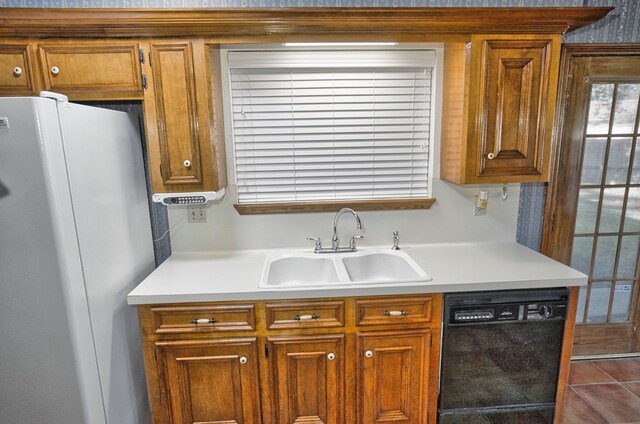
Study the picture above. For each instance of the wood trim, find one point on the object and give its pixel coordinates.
(604, 338)
(553, 243)
(360, 205)
(565, 358)
(281, 24)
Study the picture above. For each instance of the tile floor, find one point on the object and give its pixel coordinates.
(603, 392)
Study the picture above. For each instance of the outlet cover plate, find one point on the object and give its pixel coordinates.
(196, 214)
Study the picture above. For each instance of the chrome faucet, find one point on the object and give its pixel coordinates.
(335, 242)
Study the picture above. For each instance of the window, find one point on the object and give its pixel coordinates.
(329, 126)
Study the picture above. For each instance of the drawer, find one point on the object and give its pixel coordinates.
(393, 310)
(203, 318)
(93, 70)
(303, 314)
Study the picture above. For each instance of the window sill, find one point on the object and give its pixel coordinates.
(358, 205)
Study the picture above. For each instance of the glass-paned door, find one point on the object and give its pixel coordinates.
(592, 217)
(607, 229)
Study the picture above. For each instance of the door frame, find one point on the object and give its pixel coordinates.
(560, 214)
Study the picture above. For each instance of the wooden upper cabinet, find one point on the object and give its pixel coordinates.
(498, 108)
(96, 70)
(392, 368)
(180, 117)
(307, 379)
(17, 76)
(210, 381)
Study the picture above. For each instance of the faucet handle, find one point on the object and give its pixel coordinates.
(352, 242)
(318, 245)
(396, 239)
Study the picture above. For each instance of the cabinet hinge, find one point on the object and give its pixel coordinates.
(141, 54)
(144, 81)
(266, 350)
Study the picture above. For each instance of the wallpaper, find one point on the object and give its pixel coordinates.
(285, 3)
(620, 26)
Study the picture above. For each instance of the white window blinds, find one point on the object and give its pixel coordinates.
(331, 125)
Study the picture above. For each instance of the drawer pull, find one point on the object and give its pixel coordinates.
(491, 156)
(203, 321)
(368, 354)
(55, 70)
(243, 360)
(396, 313)
(17, 71)
(331, 356)
(306, 317)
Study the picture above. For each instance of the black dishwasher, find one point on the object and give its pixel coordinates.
(500, 356)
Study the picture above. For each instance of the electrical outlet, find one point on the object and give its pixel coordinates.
(197, 214)
(477, 209)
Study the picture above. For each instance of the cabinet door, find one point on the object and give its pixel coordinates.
(186, 147)
(16, 70)
(392, 375)
(307, 379)
(515, 100)
(210, 381)
(92, 71)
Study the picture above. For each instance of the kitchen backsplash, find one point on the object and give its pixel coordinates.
(620, 26)
(449, 220)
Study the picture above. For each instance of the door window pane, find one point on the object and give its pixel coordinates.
(618, 160)
(593, 161)
(611, 213)
(605, 256)
(635, 173)
(600, 108)
(582, 298)
(599, 302)
(624, 120)
(621, 301)
(632, 213)
(581, 254)
(628, 261)
(586, 215)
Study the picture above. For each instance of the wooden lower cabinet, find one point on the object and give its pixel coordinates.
(383, 369)
(210, 381)
(392, 371)
(307, 376)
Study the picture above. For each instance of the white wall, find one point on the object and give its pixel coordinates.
(449, 220)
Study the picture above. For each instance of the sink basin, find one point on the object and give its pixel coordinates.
(300, 270)
(388, 266)
(341, 269)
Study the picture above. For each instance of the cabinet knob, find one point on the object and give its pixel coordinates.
(243, 359)
(491, 156)
(55, 70)
(17, 71)
(331, 356)
(187, 163)
(368, 354)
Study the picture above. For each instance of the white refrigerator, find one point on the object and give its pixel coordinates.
(75, 238)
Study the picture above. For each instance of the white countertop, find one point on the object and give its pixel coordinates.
(455, 267)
